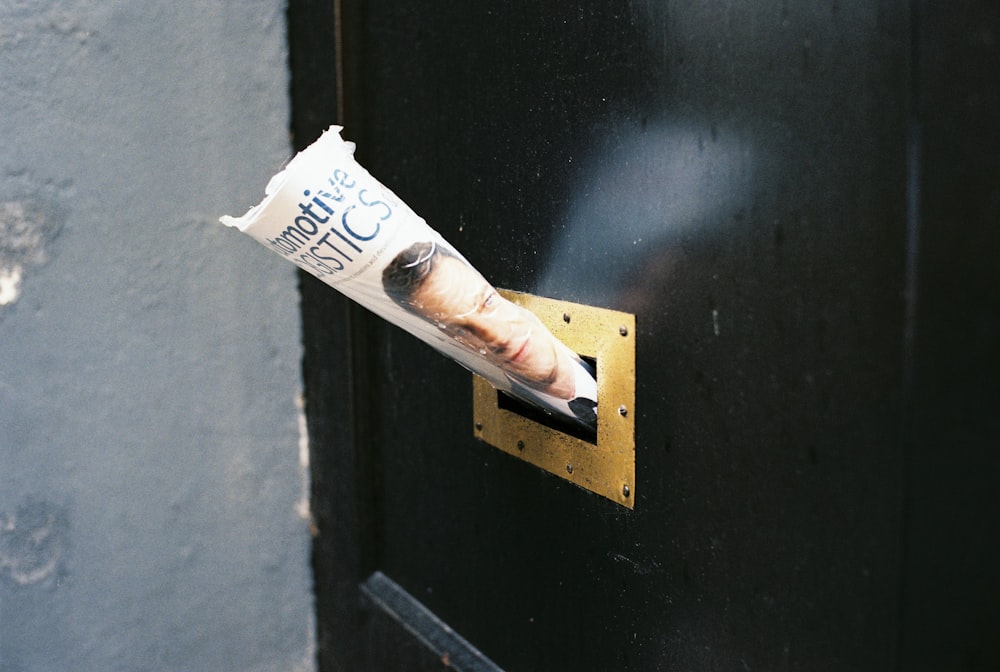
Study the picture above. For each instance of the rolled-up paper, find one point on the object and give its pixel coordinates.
(325, 213)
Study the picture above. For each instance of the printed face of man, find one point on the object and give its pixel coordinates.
(458, 298)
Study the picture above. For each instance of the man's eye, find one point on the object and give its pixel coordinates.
(490, 300)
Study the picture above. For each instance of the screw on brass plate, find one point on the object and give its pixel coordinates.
(566, 318)
(569, 468)
(479, 426)
(626, 491)
(623, 330)
(622, 411)
(520, 445)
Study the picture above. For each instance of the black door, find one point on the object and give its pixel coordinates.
(799, 204)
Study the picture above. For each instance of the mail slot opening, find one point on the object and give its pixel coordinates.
(602, 462)
(535, 414)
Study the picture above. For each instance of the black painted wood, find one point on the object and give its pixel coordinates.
(950, 611)
(790, 197)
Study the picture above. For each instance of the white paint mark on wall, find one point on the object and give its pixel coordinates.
(32, 540)
(303, 508)
(10, 284)
(715, 321)
(27, 226)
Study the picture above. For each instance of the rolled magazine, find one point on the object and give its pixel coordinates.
(326, 214)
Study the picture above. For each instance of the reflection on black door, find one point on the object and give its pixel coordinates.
(799, 203)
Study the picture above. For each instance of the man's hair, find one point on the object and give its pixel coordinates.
(405, 274)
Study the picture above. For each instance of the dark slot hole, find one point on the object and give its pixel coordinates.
(535, 414)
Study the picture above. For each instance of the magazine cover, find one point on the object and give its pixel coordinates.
(330, 217)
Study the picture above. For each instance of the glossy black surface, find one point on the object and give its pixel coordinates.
(799, 203)
(950, 616)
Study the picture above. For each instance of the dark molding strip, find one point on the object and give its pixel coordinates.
(454, 651)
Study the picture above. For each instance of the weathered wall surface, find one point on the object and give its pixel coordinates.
(152, 494)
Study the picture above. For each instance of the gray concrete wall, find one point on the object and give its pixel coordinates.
(152, 492)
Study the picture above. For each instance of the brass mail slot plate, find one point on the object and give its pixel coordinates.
(606, 468)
